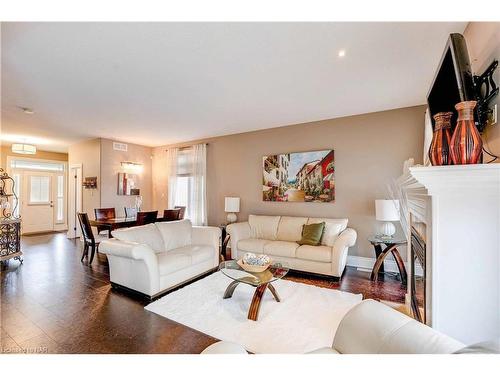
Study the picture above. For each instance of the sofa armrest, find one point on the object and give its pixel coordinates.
(126, 249)
(208, 236)
(372, 327)
(238, 231)
(132, 250)
(344, 241)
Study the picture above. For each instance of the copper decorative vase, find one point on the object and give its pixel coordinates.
(439, 152)
(466, 143)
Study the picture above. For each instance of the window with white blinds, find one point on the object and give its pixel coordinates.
(39, 189)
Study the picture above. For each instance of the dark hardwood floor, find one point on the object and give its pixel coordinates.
(53, 303)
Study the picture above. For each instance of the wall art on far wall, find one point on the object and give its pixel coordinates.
(127, 184)
(299, 177)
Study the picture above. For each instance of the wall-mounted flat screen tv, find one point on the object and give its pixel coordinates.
(453, 82)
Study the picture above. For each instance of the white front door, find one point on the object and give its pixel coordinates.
(38, 204)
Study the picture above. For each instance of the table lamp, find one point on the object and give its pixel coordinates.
(387, 210)
(232, 205)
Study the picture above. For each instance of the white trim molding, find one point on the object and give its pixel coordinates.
(366, 264)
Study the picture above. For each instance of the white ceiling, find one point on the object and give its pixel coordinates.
(160, 83)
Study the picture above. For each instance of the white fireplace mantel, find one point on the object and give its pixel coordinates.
(459, 178)
(464, 248)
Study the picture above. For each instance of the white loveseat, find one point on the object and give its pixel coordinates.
(154, 258)
(371, 327)
(276, 236)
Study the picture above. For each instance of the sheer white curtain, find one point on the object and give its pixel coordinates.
(187, 169)
(197, 199)
(172, 175)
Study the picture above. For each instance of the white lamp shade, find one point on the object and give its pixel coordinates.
(232, 204)
(387, 210)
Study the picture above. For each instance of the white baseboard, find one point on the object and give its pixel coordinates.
(366, 264)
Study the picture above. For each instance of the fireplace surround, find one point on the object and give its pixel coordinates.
(455, 210)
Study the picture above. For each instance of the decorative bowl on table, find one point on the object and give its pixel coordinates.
(254, 263)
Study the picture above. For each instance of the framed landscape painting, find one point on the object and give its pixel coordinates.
(299, 177)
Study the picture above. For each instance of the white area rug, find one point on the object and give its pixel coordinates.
(306, 318)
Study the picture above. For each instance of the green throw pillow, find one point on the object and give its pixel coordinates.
(311, 234)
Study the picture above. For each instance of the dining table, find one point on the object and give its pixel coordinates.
(114, 223)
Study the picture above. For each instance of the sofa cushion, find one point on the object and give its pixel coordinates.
(315, 253)
(311, 234)
(290, 228)
(175, 233)
(144, 234)
(281, 248)
(169, 262)
(198, 253)
(333, 227)
(252, 245)
(263, 227)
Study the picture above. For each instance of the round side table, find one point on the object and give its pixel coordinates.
(391, 247)
(225, 237)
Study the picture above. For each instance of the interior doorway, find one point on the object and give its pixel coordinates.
(74, 199)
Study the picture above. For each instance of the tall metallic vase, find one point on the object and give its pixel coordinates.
(439, 152)
(466, 143)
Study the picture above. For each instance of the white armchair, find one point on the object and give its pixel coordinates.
(154, 258)
(371, 327)
(276, 236)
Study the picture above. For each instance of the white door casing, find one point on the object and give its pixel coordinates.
(74, 199)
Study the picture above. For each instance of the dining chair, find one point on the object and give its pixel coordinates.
(182, 212)
(89, 239)
(171, 215)
(146, 217)
(130, 211)
(103, 214)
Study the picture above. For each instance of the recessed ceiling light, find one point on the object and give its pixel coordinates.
(27, 110)
(342, 53)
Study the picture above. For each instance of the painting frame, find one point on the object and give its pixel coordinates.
(127, 184)
(302, 176)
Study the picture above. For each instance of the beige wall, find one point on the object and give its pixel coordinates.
(99, 160)
(160, 180)
(111, 166)
(46, 155)
(483, 43)
(88, 154)
(369, 151)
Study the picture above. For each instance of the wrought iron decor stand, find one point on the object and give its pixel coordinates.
(10, 225)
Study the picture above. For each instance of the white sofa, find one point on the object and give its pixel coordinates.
(154, 258)
(276, 236)
(371, 327)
